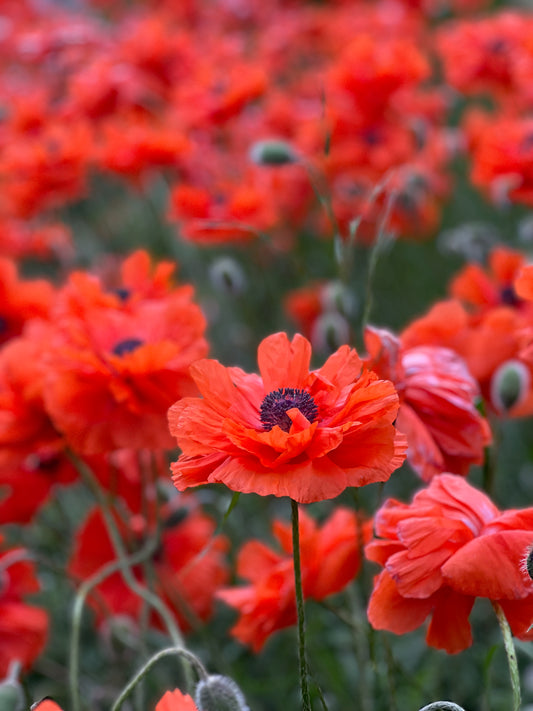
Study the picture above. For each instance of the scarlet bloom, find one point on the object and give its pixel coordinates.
(117, 358)
(46, 705)
(170, 701)
(449, 546)
(290, 431)
(329, 558)
(23, 628)
(444, 430)
(189, 564)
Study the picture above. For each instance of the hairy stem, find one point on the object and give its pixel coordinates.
(304, 674)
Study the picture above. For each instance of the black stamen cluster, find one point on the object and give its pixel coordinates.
(275, 405)
(127, 346)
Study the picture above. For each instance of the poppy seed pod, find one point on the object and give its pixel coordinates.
(509, 385)
(11, 696)
(272, 152)
(219, 693)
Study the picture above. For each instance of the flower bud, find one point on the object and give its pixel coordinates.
(11, 696)
(330, 331)
(219, 693)
(272, 152)
(227, 276)
(509, 385)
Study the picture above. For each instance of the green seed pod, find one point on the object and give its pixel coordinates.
(272, 152)
(509, 385)
(11, 696)
(219, 693)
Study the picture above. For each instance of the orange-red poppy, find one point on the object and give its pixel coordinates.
(289, 431)
(449, 546)
(329, 559)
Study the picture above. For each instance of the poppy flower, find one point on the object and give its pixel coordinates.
(46, 705)
(23, 628)
(176, 701)
(329, 559)
(438, 414)
(116, 359)
(188, 566)
(289, 431)
(20, 299)
(449, 546)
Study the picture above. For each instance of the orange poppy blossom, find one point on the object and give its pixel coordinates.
(288, 431)
(449, 546)
(117, 358)
(23, 628)
(170, 701)
(188, 567)
(330, 559)
(444, 430)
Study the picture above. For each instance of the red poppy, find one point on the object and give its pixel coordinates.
(188, 566)
(46, 705)
(444, 430)
(449, 546)
(329, 558)
(117, 359)
(23, 628)
(290, 431)
(20, 299)
(175, 701)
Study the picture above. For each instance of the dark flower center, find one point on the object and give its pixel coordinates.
(127, 346)
(275, 405)
(122, 292)
(508, 296)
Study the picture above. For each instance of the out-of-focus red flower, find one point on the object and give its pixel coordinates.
(449, 546)
(189, 565)
(117, 359)
(483, 289)
(20, 299)
(444, 430)
(290, 431)
(23, 628)
(46, 705)
(175, 701)
(330, 559)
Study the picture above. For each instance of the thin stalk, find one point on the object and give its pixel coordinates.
(511, 654)
(304, 673)
(85, 589)
(193, 661)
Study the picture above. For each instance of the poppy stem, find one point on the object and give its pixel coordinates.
(304, 673)
(511, 654)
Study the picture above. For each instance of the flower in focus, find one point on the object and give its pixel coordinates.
(23, 628)
(176, 701)
(330, 559)
(444, 430)
(449, 546)
(290, 431)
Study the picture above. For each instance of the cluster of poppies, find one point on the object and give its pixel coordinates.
(274, 129)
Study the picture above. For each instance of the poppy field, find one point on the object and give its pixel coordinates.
(266, 355)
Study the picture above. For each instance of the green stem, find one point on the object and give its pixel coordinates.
(304, 674)
(194, 661)
(511, 654)
(85, 589)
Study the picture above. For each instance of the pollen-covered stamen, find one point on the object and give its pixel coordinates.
(128, 345)
(275, 405)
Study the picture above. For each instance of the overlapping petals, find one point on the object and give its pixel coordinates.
(351, 442)
(449, 546)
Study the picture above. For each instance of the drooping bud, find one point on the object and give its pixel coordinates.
(227, 276)
(330, 331)
(11, 694)
(509, 385)
(273, 152)
(219, 693)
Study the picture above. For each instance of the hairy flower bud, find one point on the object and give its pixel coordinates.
(509, 385)
(11, 696)
(219, 693)
(272, 152)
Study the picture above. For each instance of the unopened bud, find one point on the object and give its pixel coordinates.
(227, 276)
(337, 297)
(273, 152)
(509, 386)
(219, 693)
(330, 331)
(11, 696)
